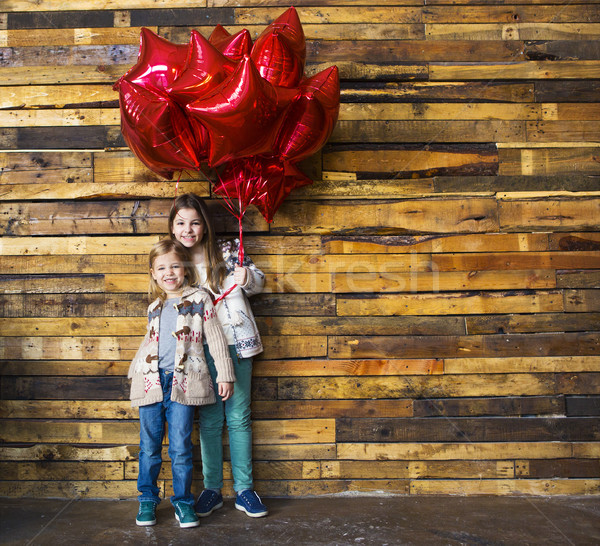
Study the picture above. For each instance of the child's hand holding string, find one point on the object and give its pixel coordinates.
(240, 275)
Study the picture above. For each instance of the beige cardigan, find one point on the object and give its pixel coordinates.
(192, 386)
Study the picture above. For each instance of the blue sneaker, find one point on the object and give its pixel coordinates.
(146, 514)
(248, 501)
(208, 502)
(185, 515)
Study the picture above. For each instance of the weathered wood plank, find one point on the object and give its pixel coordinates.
(52, 75)
(72, 264)
(311, 368)
(562, 468)
(119, 216)
(468, 407)
(549, 214)
(30, 168)
(309, 409)
(561, 50)
(76, 5)
(362, 189)
(574, 241)
(583, 301)
(484, 385)
(40, 284)
(61, 367)
(342, 263)
(75, 36)
(40, 471)
(563, 131)
(84, 190)
(480, 242)
(516, 260)
(65, 452)
(571, 111)
(513, 31)
(528, 70)
(425, 131)
(549, 162)
(417, 469)
(333, 14)
(577, 279)
(416, 325)
(67, 117)
(510, 14)
(522, 364)
(411, 50)
(113, 489)
(431, 216)
(303, 304)
(456, 450)
(454, 91)
(506, 487)
(452, 303)
(370, 30)
(447, 111)
(582, 405)
(73, 326)
(376, 282)
(56, 96)
(511, 345)
(480, 429)
(567, 91)
(421, 161)
(547, 322)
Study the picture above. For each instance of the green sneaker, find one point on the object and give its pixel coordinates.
(186, 515)
(146, 514)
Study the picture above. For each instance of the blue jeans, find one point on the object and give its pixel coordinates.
(152, 430)
(236, 411)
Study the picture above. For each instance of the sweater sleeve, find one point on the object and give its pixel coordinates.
(217, 344)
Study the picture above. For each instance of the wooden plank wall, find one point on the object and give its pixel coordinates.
(432, 312)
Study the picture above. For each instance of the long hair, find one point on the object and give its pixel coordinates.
(215, 268)
(164, 246)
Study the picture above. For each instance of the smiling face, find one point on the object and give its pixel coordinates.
(188, 227)
(169, 273)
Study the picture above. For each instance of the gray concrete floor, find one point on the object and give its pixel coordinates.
(322, 520)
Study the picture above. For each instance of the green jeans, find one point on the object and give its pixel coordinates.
(236, 412)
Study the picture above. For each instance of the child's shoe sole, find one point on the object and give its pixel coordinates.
(145, 523)
(252, 515)
(187, 525)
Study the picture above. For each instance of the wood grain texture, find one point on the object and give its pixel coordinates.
(431, 313)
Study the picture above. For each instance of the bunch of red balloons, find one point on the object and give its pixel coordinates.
(245, 109)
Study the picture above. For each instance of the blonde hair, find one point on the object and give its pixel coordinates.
(215, 267)
(165, 246)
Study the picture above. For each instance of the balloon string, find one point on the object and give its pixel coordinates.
(177, 184)
(241, 248)
(240, 261)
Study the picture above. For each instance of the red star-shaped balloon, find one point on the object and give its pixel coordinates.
(157, 131)
(311, 118)
(204, 70)
(240, 115)
(233, 46)
(159, 62)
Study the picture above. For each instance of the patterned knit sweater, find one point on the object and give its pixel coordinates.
(192, 386)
